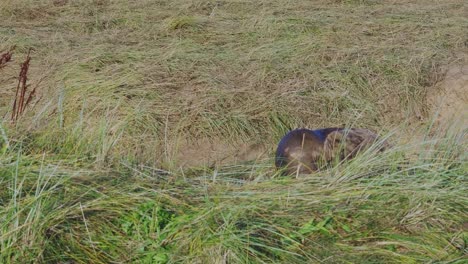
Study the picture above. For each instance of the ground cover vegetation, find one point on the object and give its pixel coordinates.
(144, 131)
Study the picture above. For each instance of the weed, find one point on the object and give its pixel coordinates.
(154, 139)
(5, 58)
(19, 104)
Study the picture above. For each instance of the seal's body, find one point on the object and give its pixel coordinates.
(305, 151)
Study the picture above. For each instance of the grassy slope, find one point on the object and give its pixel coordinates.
(126, 83)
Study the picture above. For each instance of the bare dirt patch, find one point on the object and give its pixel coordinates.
(449, 99)
(211, 152)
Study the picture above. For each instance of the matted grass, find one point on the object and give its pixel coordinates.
(96, 170)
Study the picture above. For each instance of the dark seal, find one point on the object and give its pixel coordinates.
(304, 151)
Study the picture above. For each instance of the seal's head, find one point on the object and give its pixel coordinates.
(304, 151)
(347, 143)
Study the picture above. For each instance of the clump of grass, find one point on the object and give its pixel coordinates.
(48, 215)
(4, 142)
(371, 209)
(183, 22)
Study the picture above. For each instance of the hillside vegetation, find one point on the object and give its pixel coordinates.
(151, 132)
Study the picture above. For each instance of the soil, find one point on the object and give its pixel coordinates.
(449, 99)
(212, 152)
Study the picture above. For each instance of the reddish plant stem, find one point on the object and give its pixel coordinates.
(19, 105)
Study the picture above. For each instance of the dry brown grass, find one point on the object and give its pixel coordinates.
(153, 78)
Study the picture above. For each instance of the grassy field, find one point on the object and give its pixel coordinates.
(151, 135)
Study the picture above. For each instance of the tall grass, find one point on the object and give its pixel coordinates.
(385, 208)
(132, 91)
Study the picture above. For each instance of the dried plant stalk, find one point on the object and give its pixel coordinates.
(19, 105)
(5, 58)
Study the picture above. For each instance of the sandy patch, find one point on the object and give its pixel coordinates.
(212, 152)
(449, 99)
